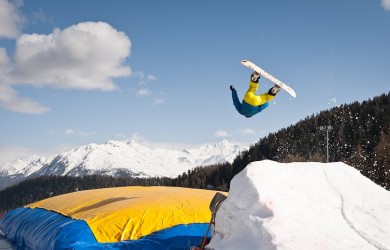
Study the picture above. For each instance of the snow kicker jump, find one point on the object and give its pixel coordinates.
(273, 79)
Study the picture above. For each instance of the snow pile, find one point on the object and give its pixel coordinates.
(303, 206)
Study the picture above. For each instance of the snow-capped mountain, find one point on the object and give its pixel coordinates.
(119, 158)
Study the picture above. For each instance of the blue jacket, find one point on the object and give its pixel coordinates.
(245, 108)
(248, 110)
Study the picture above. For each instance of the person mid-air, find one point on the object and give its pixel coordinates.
(252, 103)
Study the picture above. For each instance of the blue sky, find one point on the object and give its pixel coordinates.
(78, 72)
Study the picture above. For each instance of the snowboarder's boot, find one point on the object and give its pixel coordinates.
(274, 90)
(255, 77)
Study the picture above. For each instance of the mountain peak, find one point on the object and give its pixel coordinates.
(125, 158)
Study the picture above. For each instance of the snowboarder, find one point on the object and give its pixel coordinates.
(252, 103)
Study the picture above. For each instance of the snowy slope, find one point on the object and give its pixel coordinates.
(303, 206)
(5, 244)
(120, 158)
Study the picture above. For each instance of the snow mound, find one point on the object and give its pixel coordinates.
(303, 206)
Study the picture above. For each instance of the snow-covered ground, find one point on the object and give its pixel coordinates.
(303, 206)
(5, 244)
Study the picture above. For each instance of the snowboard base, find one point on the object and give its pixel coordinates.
(273, 79)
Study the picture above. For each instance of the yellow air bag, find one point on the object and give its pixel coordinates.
(129, 213)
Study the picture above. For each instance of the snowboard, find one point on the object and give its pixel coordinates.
(273, 79)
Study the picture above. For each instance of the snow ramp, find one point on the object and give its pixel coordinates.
(112, 218)
(303, 206)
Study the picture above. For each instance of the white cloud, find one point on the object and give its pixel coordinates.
(158, 100)
(386, 4)
(120, 136)
(79, 133)
(151, 78)
(248, 131)
(221, 133)
(11, 100)
(137, 137)
(39, 16)
(86, 133)
(10, 19)
(141, 75)
(4, 61)
(84, 56)
(69, 131)
(144, 89)
(143, 92)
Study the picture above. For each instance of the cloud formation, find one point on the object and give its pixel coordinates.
(221, 133)
(71, 131)
(158, 100)
(143, 92)
(386, 4)
(85, 56)
(248, 131)
(11, 100)
(11, 20)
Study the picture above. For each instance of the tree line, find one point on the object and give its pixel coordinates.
(358, 134)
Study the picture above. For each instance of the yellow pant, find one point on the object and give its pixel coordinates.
(256, 100)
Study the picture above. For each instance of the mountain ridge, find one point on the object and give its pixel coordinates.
(125, 158)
